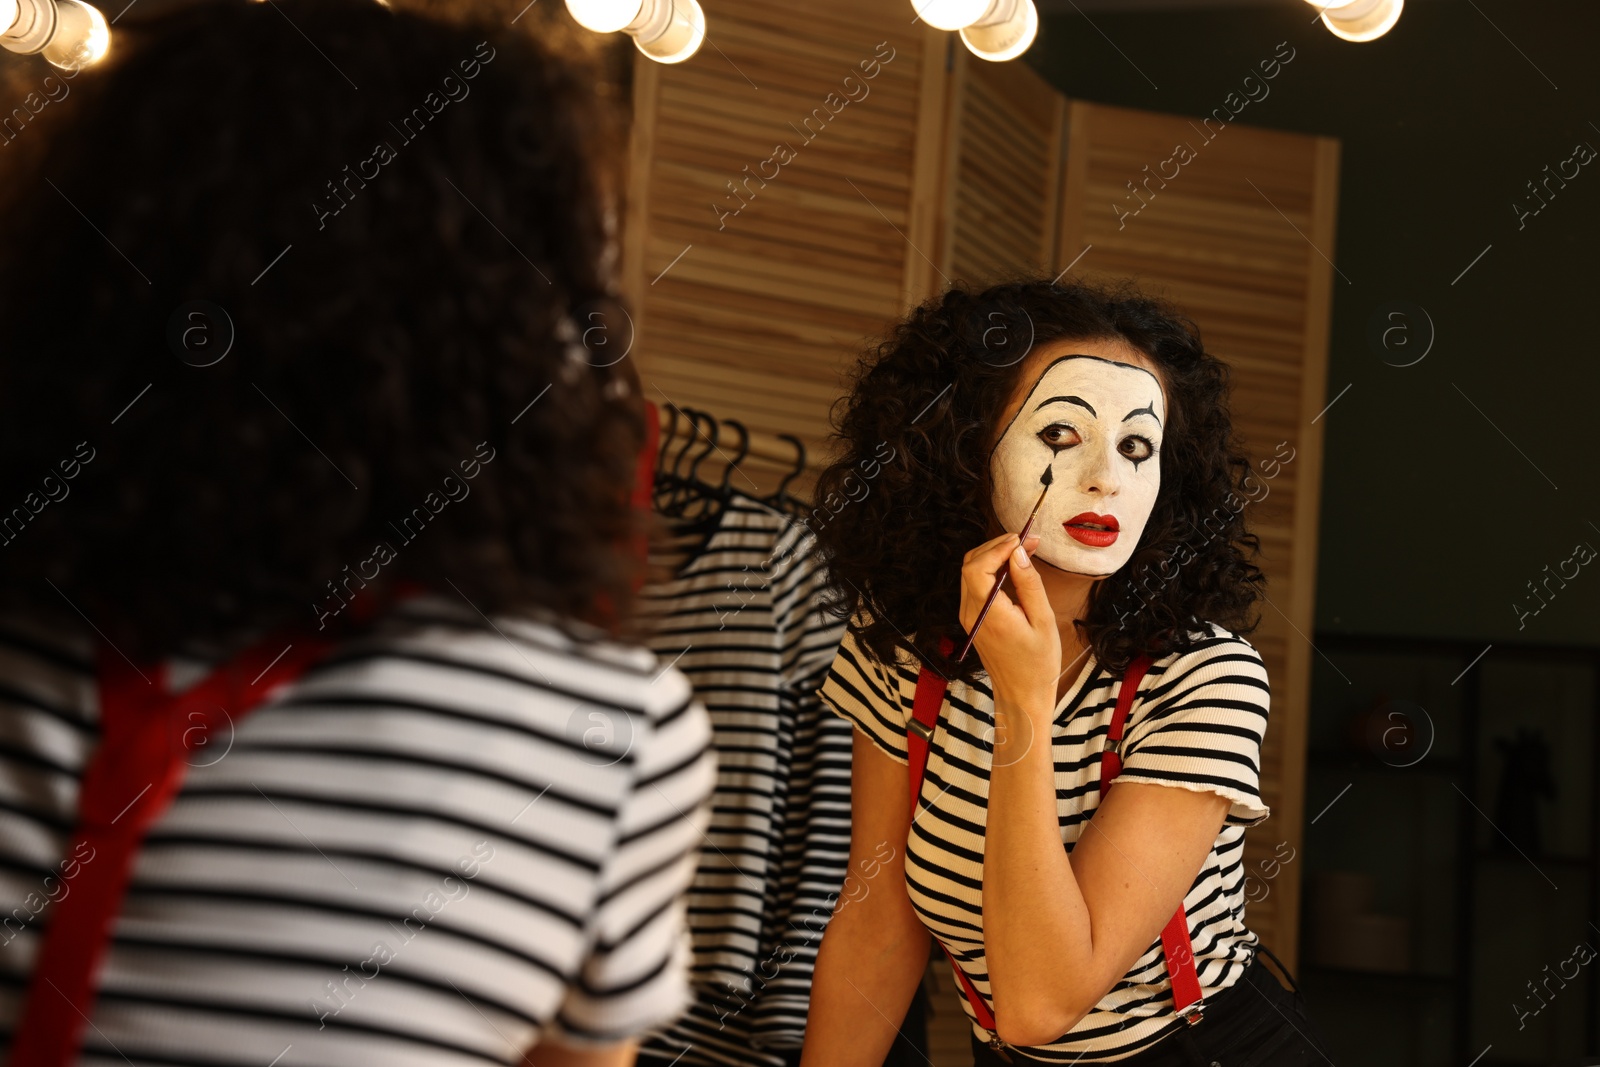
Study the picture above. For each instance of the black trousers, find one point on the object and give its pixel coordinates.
(1255, 1022)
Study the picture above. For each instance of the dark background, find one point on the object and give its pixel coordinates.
(1435, 512)
(1448, 485)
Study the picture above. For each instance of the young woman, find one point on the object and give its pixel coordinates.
(1101, 408)
(320, 740)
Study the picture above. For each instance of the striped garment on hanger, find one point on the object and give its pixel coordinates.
(743, 620)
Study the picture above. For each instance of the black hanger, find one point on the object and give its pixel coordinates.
(714, 498)
(687, 487)
(781, 498)
(671, 487)
(666, 439)
(725, 490)
(700, 490)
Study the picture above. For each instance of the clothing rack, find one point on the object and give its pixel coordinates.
(689, 436)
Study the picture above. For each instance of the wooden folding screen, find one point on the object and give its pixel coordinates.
(1002, 168)
(1241, 237)
(771, 227)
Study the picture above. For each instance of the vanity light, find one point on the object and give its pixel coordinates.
(68, 33)
(1004, 32)
(951, 14)
(1359, 20)
(995, 30)
(668, 31)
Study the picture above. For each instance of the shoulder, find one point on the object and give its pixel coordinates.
(894, 678)
(1215, 655)
(434, 646)
(1220, 678)
(1200, 722)
(875, 696)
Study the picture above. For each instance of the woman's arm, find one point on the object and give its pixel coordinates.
(551, 1054)
(875, 949)
(1060, 931)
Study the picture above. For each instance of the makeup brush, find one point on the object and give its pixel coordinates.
(1044, 480)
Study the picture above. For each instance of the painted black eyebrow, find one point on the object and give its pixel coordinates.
(1069, 400)
(1060, 359)
(1148, 409)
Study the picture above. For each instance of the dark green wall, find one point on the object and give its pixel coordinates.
(1449, 484)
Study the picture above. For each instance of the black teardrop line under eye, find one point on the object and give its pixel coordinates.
(1142, 459)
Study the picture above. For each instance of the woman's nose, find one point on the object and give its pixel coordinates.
(1100, 471)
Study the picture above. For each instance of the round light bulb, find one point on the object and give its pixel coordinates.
(1007, 38)
(676, 36)
(604, 16)
(1363, 20)
(8, 14)
(81, 38)
(1332, 5)
(951, 14)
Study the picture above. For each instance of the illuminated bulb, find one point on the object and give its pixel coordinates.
(953, 14)
(68, 33)
(1360, 20)
(82, 36)
(668, 31)
(1005, 32)
(674, 34)
(604, 16)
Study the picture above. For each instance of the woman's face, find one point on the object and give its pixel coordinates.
(1094, 413)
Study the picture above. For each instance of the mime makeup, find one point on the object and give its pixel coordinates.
(1098, 424)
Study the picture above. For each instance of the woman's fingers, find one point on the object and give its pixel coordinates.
(1004, 540)
(1028, 586)
(992, 554)
(982, 569)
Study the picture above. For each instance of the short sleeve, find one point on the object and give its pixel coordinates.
(635, 977)
(1200, 723)
(860, 690)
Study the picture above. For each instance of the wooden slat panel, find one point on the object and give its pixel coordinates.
(1005, 165)
(950, 168)
(754, 281)
(1236, 237)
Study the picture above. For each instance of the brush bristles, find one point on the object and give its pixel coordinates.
(1047, 477)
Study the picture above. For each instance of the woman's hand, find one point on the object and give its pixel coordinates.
(1018, 642)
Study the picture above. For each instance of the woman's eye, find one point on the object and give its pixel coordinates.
(1058, 436)
(1138, 448)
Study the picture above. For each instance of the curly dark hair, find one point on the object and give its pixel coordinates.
(271, 338)
(917, 430)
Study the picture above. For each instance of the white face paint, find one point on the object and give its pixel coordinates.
(1097, 424)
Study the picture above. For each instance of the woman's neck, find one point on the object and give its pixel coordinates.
(1069, 600)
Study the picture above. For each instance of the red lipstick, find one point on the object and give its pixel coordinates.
(1083, 527)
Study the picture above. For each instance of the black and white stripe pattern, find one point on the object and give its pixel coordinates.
(742, 619)
(1197, 722)
(439, 846)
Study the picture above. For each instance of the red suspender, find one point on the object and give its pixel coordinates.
(129, 781)
(925, 713)
(1175, 943)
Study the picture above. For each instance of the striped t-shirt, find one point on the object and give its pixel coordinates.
(742, 616)
(442, 844)
(1196, 722)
